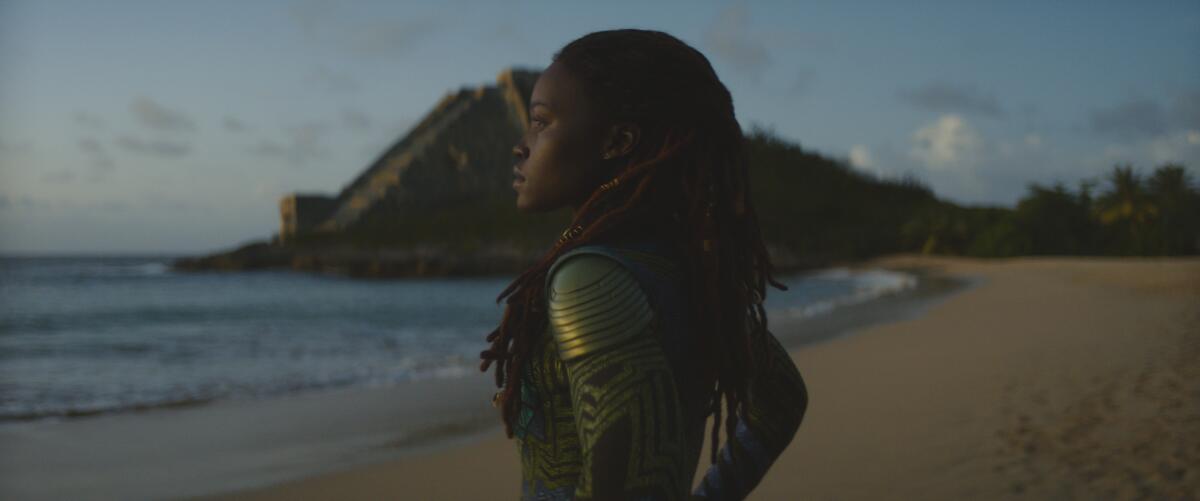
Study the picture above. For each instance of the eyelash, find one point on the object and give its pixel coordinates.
(538, 121)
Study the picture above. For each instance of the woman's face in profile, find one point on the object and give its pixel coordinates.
(558, 160)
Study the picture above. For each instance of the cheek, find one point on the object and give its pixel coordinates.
(546, 160)
(560, 157)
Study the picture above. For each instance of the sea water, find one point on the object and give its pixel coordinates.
(81, 336)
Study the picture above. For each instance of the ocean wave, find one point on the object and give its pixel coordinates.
(865, 285)
(54, 413)
(127, 345)
(32, 401)
(77, 270)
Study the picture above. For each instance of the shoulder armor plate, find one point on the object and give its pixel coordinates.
(594, 304)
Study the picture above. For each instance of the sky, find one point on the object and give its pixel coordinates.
(175, 127)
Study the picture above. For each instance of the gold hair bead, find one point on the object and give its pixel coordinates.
(570, 233)
(610, 184)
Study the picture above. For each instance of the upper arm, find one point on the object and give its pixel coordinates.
(623, 392)
(776, 405)
(778, 396)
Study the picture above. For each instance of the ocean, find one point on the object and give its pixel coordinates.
(85, 336)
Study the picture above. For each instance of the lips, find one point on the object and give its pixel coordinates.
(517, 177)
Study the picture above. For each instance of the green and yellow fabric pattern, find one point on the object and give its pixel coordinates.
(603, 415)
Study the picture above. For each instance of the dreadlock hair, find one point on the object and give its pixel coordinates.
(686, 176)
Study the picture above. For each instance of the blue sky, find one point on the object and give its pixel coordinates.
(174, 127)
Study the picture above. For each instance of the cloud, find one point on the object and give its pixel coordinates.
(388, 39)
(1136, 118)
(508, 33)
(232, 124)
(959, 164)
(90, 145)
(1181, 147)
(156, 147)
(302, 143)
(356, 120)
(1028, 143)
(955, 161)
(15, 148)
(30, 203)
(805, 77)
(158, 117)
(945, 97)
(327, 80)
(268, 148)
(58, 176)
(269, 190)
(963, 165)
(307, 133)
(88, 120)
(1143, 118)
(95, 175)
(1185, 110)
(27, 201)
(109, 205)
(863, 159)
(860, 156)
(96, 154)
(947, 143)
(322, 23)
(162, 202)
(728, 38)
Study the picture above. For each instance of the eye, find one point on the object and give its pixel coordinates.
(538, 122)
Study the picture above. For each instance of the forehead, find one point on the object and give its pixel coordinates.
(559, 90)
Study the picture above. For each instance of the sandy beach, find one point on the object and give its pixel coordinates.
(1028, 378)
(1054, 378)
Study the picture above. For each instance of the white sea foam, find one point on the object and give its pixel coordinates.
(82, 336)
(864, 285)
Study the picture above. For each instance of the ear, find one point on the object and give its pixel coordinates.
(622, 138)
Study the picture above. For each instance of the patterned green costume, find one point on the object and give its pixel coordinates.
(611, 407)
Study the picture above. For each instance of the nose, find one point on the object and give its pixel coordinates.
(520, 151)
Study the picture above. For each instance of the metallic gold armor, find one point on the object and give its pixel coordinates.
(603, 415)
(593, 305)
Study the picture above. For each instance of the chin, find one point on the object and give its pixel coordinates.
(527, 209)
(526, 206)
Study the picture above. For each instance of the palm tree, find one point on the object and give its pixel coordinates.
(1054, 220)
(1179, 209)
(1127, 208)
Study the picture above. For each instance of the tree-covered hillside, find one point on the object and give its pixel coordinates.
(814, 211)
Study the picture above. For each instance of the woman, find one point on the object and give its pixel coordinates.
(647, 313)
